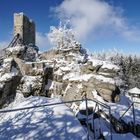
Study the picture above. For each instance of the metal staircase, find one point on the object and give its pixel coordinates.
(16, 40)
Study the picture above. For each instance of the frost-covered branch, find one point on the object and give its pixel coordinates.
(62, 37)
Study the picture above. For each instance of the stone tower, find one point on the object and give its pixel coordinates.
(25, 27)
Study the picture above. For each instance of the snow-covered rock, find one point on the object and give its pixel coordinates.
(17, 51)
(30, 85)
(31, 53)
(134, 91)
(70, 66)
(9, 80)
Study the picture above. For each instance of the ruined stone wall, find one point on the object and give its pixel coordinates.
(25, 27)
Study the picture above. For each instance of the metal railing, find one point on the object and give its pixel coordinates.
(133, 109)
(133, 112)
(109, 109)
(97, 103)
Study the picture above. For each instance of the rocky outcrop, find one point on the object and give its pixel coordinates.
(17, 51)
(9, 80)
(71, 79)
(67, 73)
(30, 68)
(108, 91)
(89, 68)
(101, 67)
(31, 53)
(19, 75)
(30, 85)
(34, 83)
(27, 53)
(49, 54)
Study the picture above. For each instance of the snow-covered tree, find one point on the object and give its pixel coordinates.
(62, 37)
(112, 55)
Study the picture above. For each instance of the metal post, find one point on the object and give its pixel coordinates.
(126, 111)
(134, 118)
(88, 129)
(99, 120)
(110, 123)
(94, 123)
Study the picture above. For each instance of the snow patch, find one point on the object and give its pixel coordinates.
(41, 123)
(103, 64)
(6, 77)
(134, 90)
(86, 77)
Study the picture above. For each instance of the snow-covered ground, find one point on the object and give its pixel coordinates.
(127, 136)
(44, 123)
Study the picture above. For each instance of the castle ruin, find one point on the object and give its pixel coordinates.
(24, 27)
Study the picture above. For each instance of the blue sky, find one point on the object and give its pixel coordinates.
(100, 24)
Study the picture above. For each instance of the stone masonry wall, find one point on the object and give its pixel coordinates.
(25, 27)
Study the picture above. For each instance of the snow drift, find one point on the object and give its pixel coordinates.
(53, 122)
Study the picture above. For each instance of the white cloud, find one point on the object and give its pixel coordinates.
(42, 41)
(3, 44)
(96, 16)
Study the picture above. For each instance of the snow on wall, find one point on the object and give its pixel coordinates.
(105, 64)
(86, 77)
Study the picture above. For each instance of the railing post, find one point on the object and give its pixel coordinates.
(126, 111)
(110, 123)
(88, 129)
(93, 121)
(134, 118)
